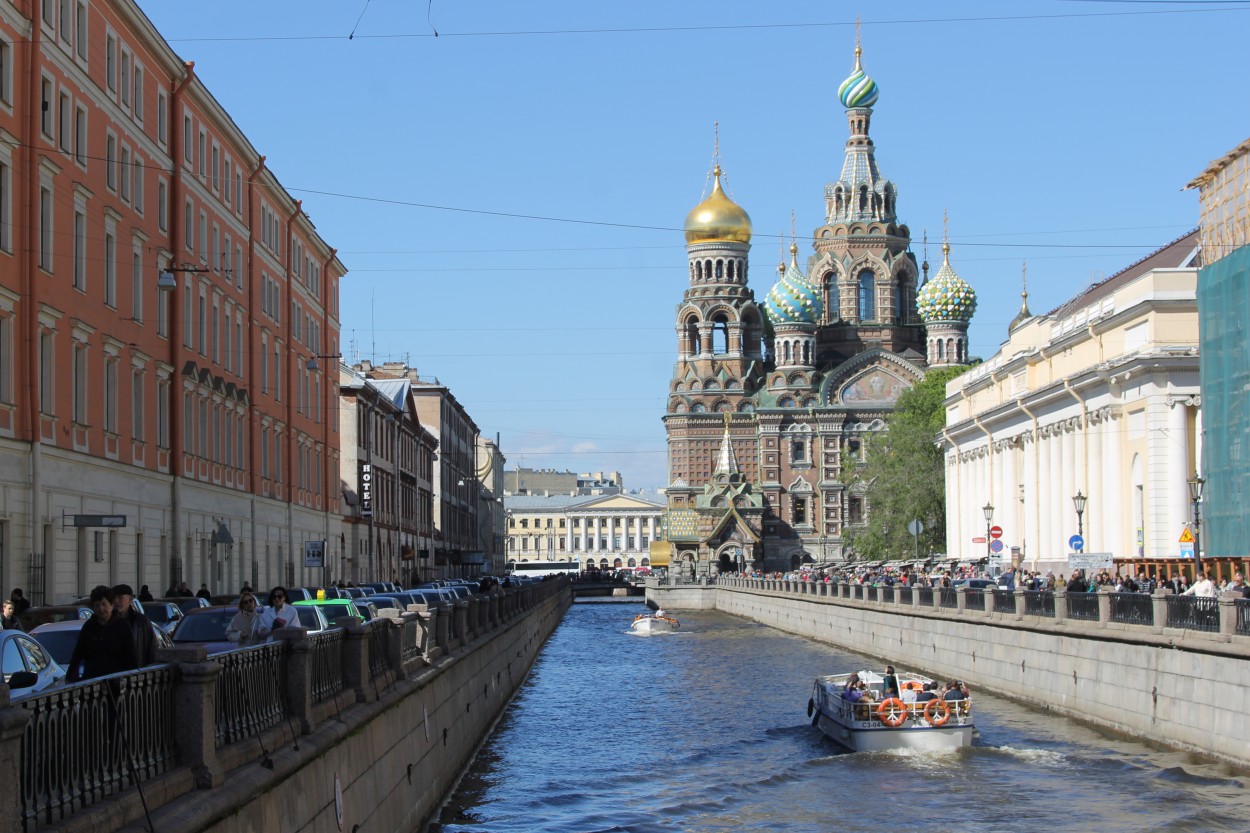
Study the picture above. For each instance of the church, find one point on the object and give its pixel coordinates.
(771, 402)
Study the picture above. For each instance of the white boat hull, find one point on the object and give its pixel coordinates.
(859, 727)
(654, 624)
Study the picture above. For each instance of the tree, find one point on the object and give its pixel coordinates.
(903, 475)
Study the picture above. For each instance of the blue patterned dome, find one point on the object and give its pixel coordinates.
(793, 299)
(947, 297)
(859, 90)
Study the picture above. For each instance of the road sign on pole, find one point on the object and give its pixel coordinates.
(996, 546)
(996, 532)
(1077, 543)
(1187, 537)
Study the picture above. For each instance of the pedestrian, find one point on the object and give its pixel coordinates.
(184, 591)
(104, 645)
(139, 625)
(145, 595)
(889, 683)
(1203, 587)
(8, 617)
(245, 628)
(20, 602)
(204, 592)
(278, 613)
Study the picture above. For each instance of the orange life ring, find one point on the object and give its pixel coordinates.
(937, 712)
(913, 685)
(892, 712)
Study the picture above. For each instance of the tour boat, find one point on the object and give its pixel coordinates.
(659, 622)
(890, 723)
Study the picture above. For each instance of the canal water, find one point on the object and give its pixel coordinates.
(706, 730)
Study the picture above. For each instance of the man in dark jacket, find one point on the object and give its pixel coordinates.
(140, 626)
(105, 645)
(204, 593)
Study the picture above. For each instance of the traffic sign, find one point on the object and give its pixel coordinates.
(996, 545)
(1187, 537)
(1077, 543)
(1187, 550)
(979, 540)
(996, 532)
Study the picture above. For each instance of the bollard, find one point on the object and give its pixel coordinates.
(1228, 613)
(355, 657)
(13, 720)
(298, 675)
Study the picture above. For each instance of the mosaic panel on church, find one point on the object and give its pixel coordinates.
(874, 387)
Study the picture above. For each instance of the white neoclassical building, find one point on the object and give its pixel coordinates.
(1099, 397)
(603, 531)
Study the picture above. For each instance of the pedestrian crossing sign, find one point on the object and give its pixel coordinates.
(1187, 537)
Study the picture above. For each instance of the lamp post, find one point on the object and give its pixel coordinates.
(988, 509)
(1078, 502)
(1196, 485)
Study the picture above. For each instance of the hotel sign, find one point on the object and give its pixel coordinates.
(366, 490)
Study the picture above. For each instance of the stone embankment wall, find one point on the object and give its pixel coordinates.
(382, 754)
(1183, 688)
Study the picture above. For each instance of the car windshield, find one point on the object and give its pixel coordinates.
(308, 617)
(36, 616)
(157, 612)
(59, 643)
(205, 627)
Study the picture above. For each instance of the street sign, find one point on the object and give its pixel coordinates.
(1090, 561)
(915, 527)
(1187, 550)
(1187, 537)
(314, 554)
(1077, 543)
(996, 532)
(108, 520)
(979, 540)
(996, 545)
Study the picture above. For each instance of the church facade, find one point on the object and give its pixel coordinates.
(771, 401)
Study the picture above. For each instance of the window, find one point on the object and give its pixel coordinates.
(136, 283)
(264, 363)
(162, 314)
(186, 136)
(6, 211)
(67, 21)
(203, 152)
(188, 424)
(80, 136)
(238, 344)
(136, 406)
(162, 115)
(65, 122)
(202, 419)
(47, 114)
(125, 174)
(80, 250)
(110, 270)
(201, 323)
(188, 332)
(216, 167)
(188, 226)
(124, 81)
(47, 356)
(139, 94)
(867, 297)
(45, 228)
(80, 383)
(162, 414)
(214, 333)
(6, 72)
(136, 169)
(162, 205)
(110, 62)
(80, 29)
(110, 394)
(6, 359)
(203, 237)
(110, 162)
(800, 511)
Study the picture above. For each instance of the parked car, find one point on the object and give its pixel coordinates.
(389, 600)
(165, 615)
(975, 583)
(59, 638)
(333, 608)
(300, 594)
(351, 593)
(368, 610)
(206, 626)
(187, 603)
(33, 617)
(28, 667)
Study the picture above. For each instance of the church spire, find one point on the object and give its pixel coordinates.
(726, 463)
(860, 195)
(1024, 314)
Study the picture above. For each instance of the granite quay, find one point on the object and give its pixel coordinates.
(358, 727)
(1169, 668)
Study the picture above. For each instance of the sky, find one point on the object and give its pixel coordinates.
(507, 181)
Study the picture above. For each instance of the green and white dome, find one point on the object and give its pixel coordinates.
(947, 297)
(859, 90)
(793, 299)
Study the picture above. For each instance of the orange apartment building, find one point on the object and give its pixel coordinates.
(161, 295)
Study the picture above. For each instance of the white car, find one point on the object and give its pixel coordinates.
(28, 667)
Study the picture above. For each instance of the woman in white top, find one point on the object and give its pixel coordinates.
(278, 613)
(245, 628)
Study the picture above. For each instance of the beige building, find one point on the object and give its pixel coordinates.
(1099, 397)
(602, 531)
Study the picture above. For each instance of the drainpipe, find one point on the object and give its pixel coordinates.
(293, 368)
(176, 324)
(30, 291)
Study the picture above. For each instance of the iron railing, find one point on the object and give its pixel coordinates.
(1195, 613)
(1004, 600)
(1039, 603)
(379, 647)
(949, 597)
(88, 741)
(857, 591)
(327, 664)
(1083, 606)
(1242, 609)
(904, 594)
(974, 598)
(251, 691)
(926, 596)
(1132, 609)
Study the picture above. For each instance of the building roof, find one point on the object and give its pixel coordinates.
(541, 503)
(396, 390)
(1180, 253)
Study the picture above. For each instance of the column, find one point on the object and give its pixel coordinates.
(1095, 535)
(1012, 513)
(638, 533)
(1055, 542)
(1067, 510)
(598, 534)
(1177, 486)
(1119, 536)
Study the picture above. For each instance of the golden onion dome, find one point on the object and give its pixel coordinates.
(718, 219)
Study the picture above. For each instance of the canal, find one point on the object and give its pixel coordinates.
(706, 730)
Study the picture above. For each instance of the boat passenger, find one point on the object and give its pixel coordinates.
(852, 693)
(955, 691)
(889, 683)
(926, 694)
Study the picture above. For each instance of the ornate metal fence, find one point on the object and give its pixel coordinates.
(1005, 601)
(1039, 603)
(974, 598)
(1242, 607)
(250, 691)
(1196, 613)
(1132, 608)
(949, 597)
(327, 664)
(379, 647)
(926, 596)
(88, 741)
(1083, 606)
(904, 594)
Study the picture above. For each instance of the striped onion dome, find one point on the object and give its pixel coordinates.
(793, 299)
(858, 90)
(947, 297)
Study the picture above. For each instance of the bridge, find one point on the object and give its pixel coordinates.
(361, 727)
(618, 590)
(1169, 668)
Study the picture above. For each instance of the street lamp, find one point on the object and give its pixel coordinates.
(1195, 496)
(988, 509)
(1078, 501)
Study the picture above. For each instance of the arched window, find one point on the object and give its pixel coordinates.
(863, 198)
(941, 349)
(720, 331)
(867, 296)
(833, 304)
(900, 300)
(720, 269)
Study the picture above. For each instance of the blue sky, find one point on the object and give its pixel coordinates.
(1059, 132)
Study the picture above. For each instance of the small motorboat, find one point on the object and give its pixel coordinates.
(658, 622)
(849, 709)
